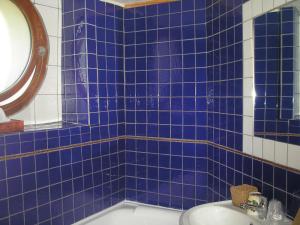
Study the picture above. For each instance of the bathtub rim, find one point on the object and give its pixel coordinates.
(120, 205)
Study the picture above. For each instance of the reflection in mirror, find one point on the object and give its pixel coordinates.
(277, 82)
(24, 54)
(15, 44)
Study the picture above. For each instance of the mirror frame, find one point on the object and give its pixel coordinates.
(275, 152)
(37, 64)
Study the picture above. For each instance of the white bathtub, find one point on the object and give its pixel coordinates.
(130, 213)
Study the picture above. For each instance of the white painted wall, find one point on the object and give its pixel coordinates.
(46, 105)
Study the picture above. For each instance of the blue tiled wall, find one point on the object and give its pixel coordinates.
(274, 72)
(175, 92)
(65, 172)
(226, 165)
(74, 63)
(224, 92)
(225, 72)
(58, 176)
(267, 71)
(92, 60)
(166, 173)
(288, 36)
(165, 70)
(227, 168)
(165, 95)
(184, 107)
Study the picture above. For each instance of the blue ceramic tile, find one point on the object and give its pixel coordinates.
(154, 170)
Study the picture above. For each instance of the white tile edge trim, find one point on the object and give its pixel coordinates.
(252, 9)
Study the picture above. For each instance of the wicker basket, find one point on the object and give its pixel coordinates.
(240, 194)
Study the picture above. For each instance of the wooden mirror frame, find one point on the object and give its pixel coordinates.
(37, 64)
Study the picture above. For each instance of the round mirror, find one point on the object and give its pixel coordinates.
(15, 44)
(24, 53)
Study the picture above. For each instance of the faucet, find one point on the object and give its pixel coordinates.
(257, 205)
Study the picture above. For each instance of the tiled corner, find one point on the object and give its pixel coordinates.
(166, 96)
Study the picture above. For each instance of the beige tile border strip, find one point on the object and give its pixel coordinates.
(276, 134)
(61, 148)
(143, 138)
(216, 146)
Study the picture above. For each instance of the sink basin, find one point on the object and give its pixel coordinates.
(220, 213)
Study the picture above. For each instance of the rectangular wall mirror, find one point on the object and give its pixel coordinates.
(277, 75)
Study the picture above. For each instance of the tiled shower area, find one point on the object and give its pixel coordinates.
(152, 110)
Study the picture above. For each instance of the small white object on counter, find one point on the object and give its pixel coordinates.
(275, 213)
(255, 198)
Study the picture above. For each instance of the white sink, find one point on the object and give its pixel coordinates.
(220, 213)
